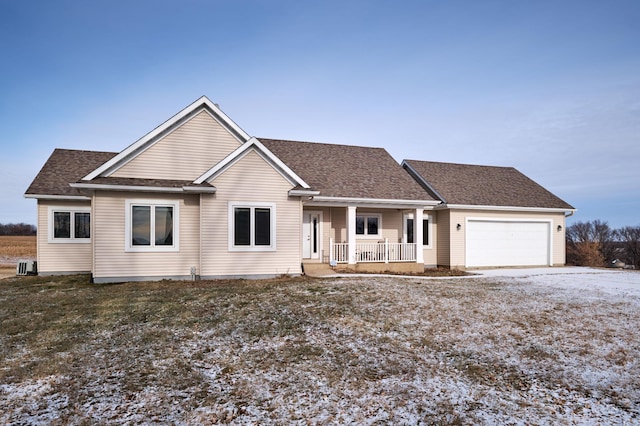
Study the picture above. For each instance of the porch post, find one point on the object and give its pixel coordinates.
(351, 234)
(417, 228)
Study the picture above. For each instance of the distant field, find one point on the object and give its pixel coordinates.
(14, 248)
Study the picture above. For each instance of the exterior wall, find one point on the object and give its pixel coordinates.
(184, 154)
(60, 258)
(457, 238)
(339, 224)
(443, 240)
(431, 254)
(250, 179)
(391, 223)
(113, 263)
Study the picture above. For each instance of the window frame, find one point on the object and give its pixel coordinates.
(152, 247)
(252, 206)
(72, 229)
(366, 217)
(429, 228)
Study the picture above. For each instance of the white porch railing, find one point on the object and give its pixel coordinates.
(382, 252)
(339, 252)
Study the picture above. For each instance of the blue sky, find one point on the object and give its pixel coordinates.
(549, 87)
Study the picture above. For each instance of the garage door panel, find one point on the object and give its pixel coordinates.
(507, 243)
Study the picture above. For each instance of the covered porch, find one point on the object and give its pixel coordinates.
(366, 237)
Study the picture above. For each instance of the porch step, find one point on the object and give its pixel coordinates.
(318, 270)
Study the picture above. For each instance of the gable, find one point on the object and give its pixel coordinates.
(184, 153)
(251, 177)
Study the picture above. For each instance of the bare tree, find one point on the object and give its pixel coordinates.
(629, 237)
(604, 236)
(590, 243)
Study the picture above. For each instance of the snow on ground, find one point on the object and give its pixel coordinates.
(509, 346)
(611, 281)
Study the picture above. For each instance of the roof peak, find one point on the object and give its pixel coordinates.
(320, 143)
(459, 164)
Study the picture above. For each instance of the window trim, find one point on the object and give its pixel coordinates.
(129, 204)
(252, 205)
(366, 228)
(72, 211)
(427, 217)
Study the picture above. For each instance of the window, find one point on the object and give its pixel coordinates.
(252, 227)
(368, 225)
(69, 225)
(409, 230)
(152, 226)
(425, 232)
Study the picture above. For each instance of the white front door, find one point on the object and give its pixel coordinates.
(311, 235)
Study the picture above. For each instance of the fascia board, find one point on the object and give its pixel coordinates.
(56, 197)
(303, 193)
(373, 202)
(197, 189)
(506, 208)
(140, 143)
(281, 165)
(421, 180)
(262, 150)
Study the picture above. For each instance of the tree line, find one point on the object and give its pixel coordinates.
(17, 229)
(595, 243)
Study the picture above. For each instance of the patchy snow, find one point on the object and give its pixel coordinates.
(612, 281)
(529, 346)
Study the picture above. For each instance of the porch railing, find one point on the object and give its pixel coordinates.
(382, 252)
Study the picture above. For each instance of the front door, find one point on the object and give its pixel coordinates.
(311, 235)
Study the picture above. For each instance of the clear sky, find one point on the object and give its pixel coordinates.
(549, 87)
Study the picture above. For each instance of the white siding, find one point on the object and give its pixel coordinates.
(250, 179)
(111, 259)
(184, 154)
(65, 257)
(443, 237)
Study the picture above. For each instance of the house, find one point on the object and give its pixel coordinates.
(198, 197)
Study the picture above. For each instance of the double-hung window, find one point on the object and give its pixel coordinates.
(69, 225)
(368, 225)
(252, 226)
(152, 225)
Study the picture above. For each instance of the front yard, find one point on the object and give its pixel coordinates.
(491, 350)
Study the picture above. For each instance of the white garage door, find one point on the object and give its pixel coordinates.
(507, 243)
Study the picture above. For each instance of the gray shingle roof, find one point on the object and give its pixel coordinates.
(347, 171)
(63, 167)
(152, 183)
(485, 185)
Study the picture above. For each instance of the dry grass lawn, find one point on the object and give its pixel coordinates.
(365, 351)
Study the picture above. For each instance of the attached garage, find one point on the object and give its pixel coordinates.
(499, 242)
